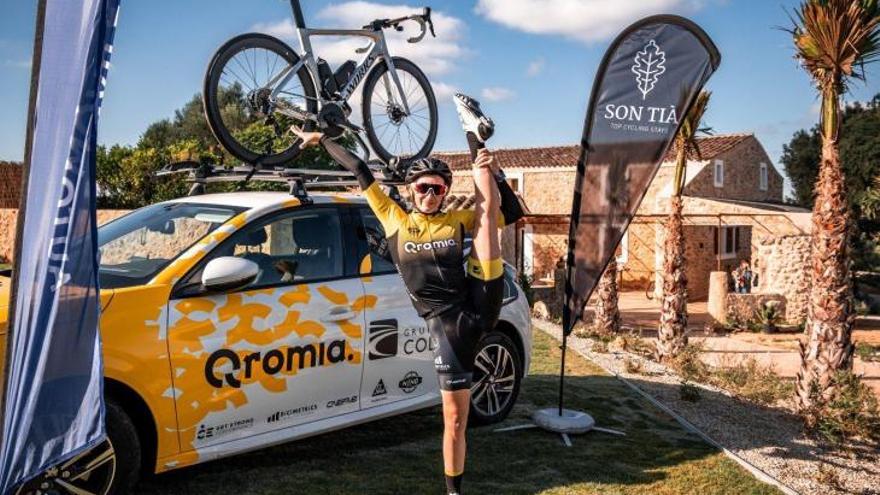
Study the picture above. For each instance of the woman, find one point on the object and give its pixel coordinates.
(426, 245)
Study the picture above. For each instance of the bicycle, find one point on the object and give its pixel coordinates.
(280, 88)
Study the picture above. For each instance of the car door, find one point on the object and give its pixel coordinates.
(399, 361)
(286, 349)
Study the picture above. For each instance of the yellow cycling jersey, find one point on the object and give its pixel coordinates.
(428, 252)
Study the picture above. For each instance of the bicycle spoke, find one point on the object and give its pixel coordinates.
(420, 125)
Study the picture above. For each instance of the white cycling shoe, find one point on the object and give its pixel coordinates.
(472, 119)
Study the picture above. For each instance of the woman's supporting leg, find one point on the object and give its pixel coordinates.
(456, 405)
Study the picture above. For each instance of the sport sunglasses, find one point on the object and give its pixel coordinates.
(437, 189)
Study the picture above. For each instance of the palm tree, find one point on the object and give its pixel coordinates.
(607, 321)
(833, 39)
(671, 337)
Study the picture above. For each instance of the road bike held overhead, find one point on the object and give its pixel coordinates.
(256, 87)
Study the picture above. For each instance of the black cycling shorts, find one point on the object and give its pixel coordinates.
(458, 331)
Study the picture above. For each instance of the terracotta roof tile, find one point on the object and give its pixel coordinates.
(567, 156)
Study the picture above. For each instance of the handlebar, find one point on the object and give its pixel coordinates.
(423, 19)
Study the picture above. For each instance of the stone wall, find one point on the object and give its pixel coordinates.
(639, 267)
(741, 176)
(10, 184)
(743, 307)
(9, 216)
(782, 266)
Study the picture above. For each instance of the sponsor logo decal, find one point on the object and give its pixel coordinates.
(410, 382)
(213, 431)
(413, 230)
(380, 389)
(272, 362)
(297, 411)
(383, 339)
(342, 401)
(648, 65)
(415, 247)
(418, 340)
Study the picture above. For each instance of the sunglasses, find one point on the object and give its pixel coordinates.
(424, 187)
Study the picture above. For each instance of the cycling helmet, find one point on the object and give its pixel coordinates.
(428, 166)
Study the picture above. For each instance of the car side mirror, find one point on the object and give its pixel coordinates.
(228, 273)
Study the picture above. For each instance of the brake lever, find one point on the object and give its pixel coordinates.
(427, 16)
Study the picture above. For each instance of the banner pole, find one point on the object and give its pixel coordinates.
(562, 370)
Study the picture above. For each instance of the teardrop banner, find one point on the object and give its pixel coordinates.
(648, 80)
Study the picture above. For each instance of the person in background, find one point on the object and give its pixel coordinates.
(742, 277)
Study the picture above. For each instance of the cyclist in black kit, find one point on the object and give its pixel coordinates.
(458, 304)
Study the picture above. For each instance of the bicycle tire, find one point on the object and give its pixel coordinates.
(375, 139)
(211, 92)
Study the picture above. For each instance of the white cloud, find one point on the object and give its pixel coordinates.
(583, 20)
(535, 67)
(17, 64)
(443, 91)
(434, 56)
(497, 93)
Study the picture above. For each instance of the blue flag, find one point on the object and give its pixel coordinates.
(53, 405)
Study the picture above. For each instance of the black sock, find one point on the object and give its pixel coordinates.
(453, 484)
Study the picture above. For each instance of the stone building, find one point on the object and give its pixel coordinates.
(10, 184)
(733, 207)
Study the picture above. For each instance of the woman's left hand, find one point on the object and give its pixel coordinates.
(485, 160)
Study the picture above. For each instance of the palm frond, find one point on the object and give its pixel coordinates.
(686, 139)
(836, 39)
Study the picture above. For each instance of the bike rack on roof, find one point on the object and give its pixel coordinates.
(299, 180)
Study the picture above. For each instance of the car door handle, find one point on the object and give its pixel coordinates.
(339, 313)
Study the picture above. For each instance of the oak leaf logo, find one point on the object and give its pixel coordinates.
(648, 65)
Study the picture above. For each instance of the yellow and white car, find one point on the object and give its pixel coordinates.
(232, 322)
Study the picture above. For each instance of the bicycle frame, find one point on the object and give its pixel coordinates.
(378, 50)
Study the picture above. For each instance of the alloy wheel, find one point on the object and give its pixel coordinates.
(494, 379)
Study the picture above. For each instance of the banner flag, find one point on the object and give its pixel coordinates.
(648, 79)
(53, 395)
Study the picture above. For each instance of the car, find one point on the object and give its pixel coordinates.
(236, 321)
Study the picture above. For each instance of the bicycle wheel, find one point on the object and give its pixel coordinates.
(244, 117)
(391, 132)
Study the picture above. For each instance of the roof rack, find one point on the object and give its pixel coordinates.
(300, 180)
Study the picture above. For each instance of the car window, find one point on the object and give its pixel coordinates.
(295, 247)
(374, 243)
(134, 248)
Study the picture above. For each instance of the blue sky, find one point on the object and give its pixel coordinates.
(531, 62)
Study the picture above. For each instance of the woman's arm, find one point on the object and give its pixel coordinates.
(389, 213)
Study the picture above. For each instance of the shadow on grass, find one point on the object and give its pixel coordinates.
(402, 455)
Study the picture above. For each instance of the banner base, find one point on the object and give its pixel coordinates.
(570, 422)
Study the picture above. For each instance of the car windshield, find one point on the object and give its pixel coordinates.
(134, 248)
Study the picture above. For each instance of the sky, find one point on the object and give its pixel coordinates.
(530, 62)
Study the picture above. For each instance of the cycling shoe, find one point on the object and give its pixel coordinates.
(472, 119)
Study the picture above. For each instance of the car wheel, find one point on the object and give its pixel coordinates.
(103, 470)
(497, 377)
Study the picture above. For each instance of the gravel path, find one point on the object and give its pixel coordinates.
(771, 439)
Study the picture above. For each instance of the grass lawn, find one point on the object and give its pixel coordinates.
(402, 454)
